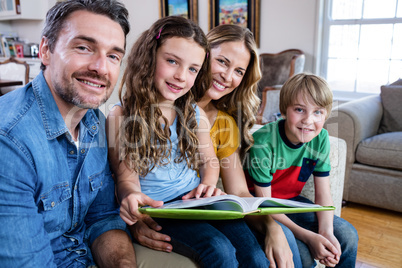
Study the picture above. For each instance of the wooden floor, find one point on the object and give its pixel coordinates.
(380, 235)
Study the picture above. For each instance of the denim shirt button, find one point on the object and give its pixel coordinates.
(72, 152)
(53, 204)
(82, 151)
(94, 127)
(75, 225)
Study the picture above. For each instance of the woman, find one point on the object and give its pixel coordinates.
(230, 99)
(231, 104)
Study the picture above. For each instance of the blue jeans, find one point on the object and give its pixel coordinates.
(343, 231)
(221, 243)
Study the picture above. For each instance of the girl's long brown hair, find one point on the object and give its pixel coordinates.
(145, 141)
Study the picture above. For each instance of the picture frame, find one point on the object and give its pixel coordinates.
(242, 12)
(9, 7)
(185, 8)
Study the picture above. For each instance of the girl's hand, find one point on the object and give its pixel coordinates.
(129, 206)
(204, 190)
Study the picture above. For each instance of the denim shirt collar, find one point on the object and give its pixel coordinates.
(53, 121)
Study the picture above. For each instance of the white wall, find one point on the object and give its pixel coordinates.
(284, 24)
(289, 24)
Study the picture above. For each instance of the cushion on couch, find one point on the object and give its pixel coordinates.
(397, 82)
(391, 97)
(383, 150)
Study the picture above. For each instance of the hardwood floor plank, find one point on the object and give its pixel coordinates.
(380, 235)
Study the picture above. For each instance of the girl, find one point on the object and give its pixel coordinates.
(164, 143)
(229, 99)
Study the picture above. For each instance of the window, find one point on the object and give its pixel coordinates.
(362, 45)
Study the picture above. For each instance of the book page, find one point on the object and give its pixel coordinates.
(234, 203)
(255, 202)
(221, 202)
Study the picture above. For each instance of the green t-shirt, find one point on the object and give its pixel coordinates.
(274, 161)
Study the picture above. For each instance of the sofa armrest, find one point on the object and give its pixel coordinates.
(353, 122)
(356, 120)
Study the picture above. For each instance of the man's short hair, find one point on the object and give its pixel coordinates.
(57, 15)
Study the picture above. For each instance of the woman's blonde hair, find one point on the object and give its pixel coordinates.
(310, 86)
(242, 103)
(145, 141)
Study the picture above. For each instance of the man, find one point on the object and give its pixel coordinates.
(57, 205)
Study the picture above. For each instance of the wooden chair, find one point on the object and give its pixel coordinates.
(13, 69)
(276, 69)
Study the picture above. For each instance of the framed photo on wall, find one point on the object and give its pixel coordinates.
(9, 7)
(184, 8)
(245, 13)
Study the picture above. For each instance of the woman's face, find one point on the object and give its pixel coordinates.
(229, 63)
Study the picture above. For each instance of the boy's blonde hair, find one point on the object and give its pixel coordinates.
(309, 85)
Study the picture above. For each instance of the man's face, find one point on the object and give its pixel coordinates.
(84, 67)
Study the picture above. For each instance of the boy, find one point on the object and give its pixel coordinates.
(285, 154)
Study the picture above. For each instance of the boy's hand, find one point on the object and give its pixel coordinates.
(129, 206)
(204, 190)
(332, 261)
(323, 250)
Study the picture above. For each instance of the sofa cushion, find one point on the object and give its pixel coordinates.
(391, 97)
(397, 82)
(383, 150)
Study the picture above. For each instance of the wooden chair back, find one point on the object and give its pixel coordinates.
(13, 69)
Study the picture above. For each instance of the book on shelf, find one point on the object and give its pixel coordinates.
(19, 49)
(4, 47)
(8, 40)
(229, 207)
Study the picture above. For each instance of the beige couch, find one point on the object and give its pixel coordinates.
(151, 258)
(372, 129)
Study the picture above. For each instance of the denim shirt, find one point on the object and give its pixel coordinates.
(55, 199)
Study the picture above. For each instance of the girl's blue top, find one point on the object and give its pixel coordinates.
(164, 183)
(174, 179)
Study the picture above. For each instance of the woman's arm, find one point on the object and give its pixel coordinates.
(234, 182)
(233, 178)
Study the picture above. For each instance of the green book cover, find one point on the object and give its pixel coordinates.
(226, 207)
